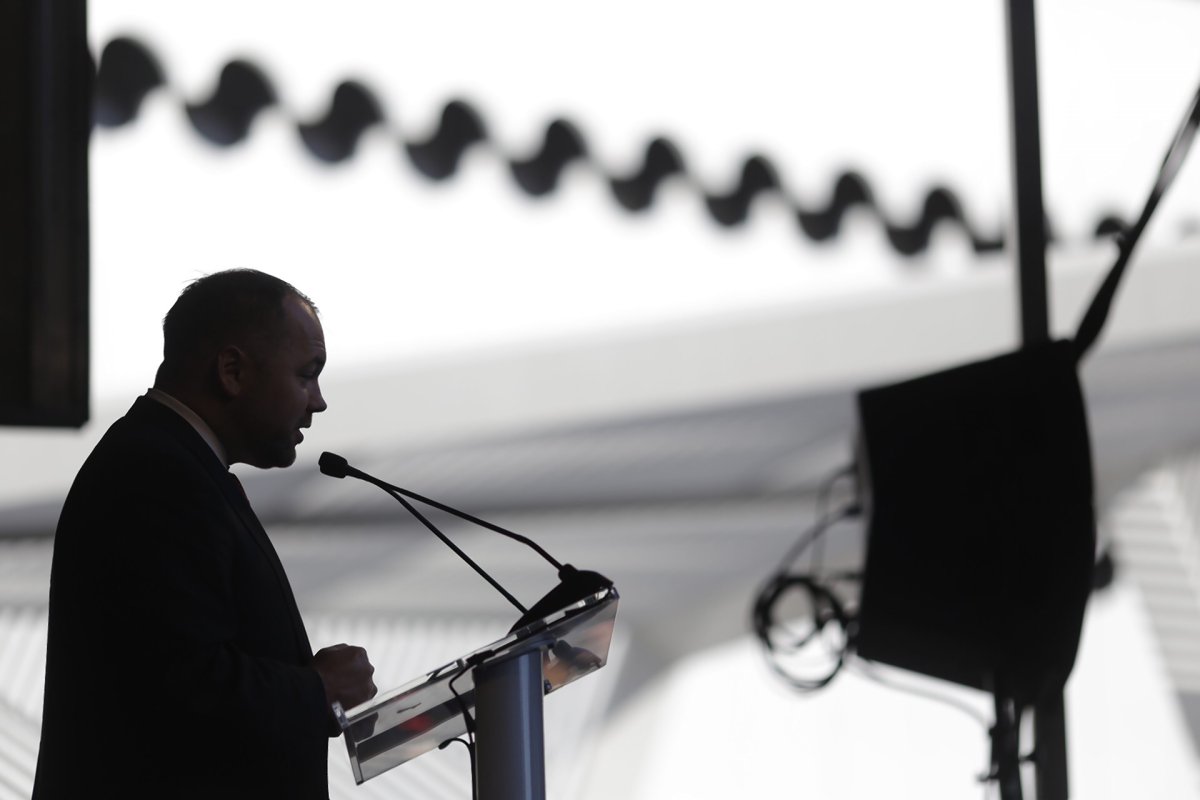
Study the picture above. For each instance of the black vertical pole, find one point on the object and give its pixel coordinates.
(1050, 747)
(1030, 233)
(1006, 745)
(1030, 229)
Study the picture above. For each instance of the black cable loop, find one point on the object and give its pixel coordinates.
(827, 608)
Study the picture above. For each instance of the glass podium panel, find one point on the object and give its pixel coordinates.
(408, 721)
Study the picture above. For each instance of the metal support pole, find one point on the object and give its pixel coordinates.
(1030, 228)
(1050, 748)
(509, 736)
(1006, 745)
(1030, 233)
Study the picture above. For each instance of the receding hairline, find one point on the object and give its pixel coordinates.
(233, 307)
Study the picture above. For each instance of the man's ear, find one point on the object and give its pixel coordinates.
(232, 370)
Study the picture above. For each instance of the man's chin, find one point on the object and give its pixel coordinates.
(283, 457)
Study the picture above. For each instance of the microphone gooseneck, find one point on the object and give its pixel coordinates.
(337, 467)
(574, 584)
(458, 551)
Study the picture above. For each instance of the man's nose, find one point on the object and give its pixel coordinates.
(316, 401)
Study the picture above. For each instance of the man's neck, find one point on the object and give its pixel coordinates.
(193, 418)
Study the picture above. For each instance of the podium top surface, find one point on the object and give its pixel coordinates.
(398, 725)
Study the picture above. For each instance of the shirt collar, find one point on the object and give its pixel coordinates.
(193, 419)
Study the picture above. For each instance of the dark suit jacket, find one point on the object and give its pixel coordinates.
(177, 664)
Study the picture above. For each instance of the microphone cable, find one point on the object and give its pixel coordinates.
(1097, 311)
(469, 724)
(827, 609)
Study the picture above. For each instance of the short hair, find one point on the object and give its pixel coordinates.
(233, 306)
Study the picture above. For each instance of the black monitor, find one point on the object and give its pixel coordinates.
(981, 527)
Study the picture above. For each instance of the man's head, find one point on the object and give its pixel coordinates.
(244, 350)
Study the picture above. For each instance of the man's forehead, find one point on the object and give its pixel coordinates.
(304, 315)
(299, 333)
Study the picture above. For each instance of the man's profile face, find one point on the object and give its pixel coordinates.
(282, 391)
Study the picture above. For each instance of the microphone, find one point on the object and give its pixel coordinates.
(574, 584)
(334, 465)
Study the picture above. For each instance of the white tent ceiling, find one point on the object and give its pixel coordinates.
(909, 95)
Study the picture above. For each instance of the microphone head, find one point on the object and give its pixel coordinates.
(333, 465)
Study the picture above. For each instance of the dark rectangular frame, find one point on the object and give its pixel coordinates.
(46, 76)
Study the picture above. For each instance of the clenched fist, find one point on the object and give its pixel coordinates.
(346, 673)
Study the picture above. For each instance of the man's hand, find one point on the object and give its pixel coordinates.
(346, 673)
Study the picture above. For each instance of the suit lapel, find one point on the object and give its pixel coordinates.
(235, 496)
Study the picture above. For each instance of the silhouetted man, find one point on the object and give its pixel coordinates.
(177, 663)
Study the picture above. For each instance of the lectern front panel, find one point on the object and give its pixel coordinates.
(399, 725)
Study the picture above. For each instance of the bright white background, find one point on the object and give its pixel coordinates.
(725, 727)
(910, 94)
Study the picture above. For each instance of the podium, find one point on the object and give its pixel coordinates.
(502, 685)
